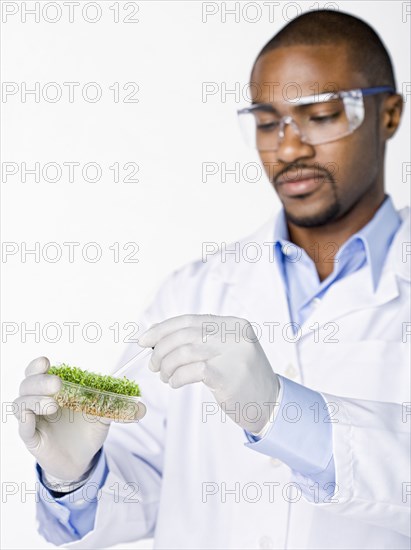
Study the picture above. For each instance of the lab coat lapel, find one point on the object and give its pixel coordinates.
(356, 292)
(350, 294)
(259, 295)
(256, 292)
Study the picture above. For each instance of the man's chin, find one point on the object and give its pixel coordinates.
(319, 218)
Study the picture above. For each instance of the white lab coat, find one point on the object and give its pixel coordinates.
(366, 374)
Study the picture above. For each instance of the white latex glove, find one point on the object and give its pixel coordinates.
(63, 442)
(222, 352)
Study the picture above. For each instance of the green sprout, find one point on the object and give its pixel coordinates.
(81, 391)
(97, 381)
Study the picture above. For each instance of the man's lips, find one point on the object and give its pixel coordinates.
(303, 183)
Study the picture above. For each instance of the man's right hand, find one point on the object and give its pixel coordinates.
(63, 441)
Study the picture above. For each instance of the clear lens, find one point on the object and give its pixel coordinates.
(354, 109)
(316, 123)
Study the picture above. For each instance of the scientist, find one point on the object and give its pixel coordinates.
(278, 406)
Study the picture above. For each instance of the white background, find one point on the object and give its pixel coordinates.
(169, 213)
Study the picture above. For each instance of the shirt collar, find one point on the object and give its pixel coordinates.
(376, 236)
(280, 229)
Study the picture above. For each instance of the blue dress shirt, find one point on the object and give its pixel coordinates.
(305, 446)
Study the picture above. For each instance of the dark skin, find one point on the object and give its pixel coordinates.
(349, 196)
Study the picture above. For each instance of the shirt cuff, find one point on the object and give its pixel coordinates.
(301, 435)
(259, 435)
(77, 500)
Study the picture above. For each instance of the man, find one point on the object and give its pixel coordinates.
(304, 350)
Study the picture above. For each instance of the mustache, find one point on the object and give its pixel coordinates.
(294, 170)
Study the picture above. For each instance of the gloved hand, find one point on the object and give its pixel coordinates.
(63, 441)
(222, 352)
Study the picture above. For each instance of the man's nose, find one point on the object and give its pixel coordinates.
(291, 147)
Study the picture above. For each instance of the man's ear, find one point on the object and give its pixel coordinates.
(391, 115)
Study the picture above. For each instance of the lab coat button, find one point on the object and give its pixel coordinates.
(266, 542)
(275, 462)
(291, 371)
(315, 302)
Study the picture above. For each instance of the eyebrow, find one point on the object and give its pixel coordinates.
(267, 107)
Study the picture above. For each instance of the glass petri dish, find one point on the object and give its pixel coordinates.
(117, 406)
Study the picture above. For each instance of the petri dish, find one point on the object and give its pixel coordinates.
(116, 406)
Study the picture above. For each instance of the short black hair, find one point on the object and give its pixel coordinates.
(366, 50)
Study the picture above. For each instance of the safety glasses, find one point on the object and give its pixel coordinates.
(317, 119)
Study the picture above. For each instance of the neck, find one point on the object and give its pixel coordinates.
(322, 243)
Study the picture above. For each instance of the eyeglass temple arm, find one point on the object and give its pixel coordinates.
(377, 90)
